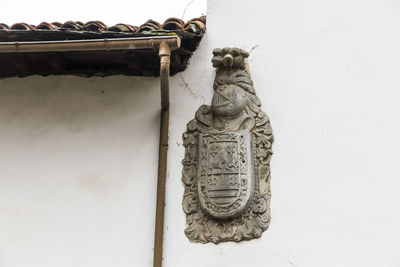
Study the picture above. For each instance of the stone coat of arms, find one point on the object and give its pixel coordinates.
(226, 169)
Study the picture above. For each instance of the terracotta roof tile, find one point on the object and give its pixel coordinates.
(149, 25)
(22, 26)
(173, 24)
(58, 24)
(121, 27)
(196, 25)
(4, 26)
(73, 25)
(95, 26)
(46, 26)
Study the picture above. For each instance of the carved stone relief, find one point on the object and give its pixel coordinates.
(226, 169)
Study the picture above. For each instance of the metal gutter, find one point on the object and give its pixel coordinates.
(105, 44)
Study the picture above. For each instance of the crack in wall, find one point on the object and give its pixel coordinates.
(184, 11)
(291, 263)
(253, 48)
(192, 92)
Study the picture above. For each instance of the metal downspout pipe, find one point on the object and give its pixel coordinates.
(164, 53)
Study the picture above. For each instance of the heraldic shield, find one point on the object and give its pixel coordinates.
(225, 173)
(226, 169)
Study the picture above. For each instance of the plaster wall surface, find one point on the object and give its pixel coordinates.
(327, 75)
(78, 171)
(78, 157)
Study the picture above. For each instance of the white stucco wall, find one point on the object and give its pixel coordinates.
(78, 171)
(78, 157)
(327, 74)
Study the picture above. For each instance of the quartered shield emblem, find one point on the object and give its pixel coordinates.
(225, 175)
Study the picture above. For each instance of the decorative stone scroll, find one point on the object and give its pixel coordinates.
(226, 169)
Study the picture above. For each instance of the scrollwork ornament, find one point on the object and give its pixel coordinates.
(226, 168)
